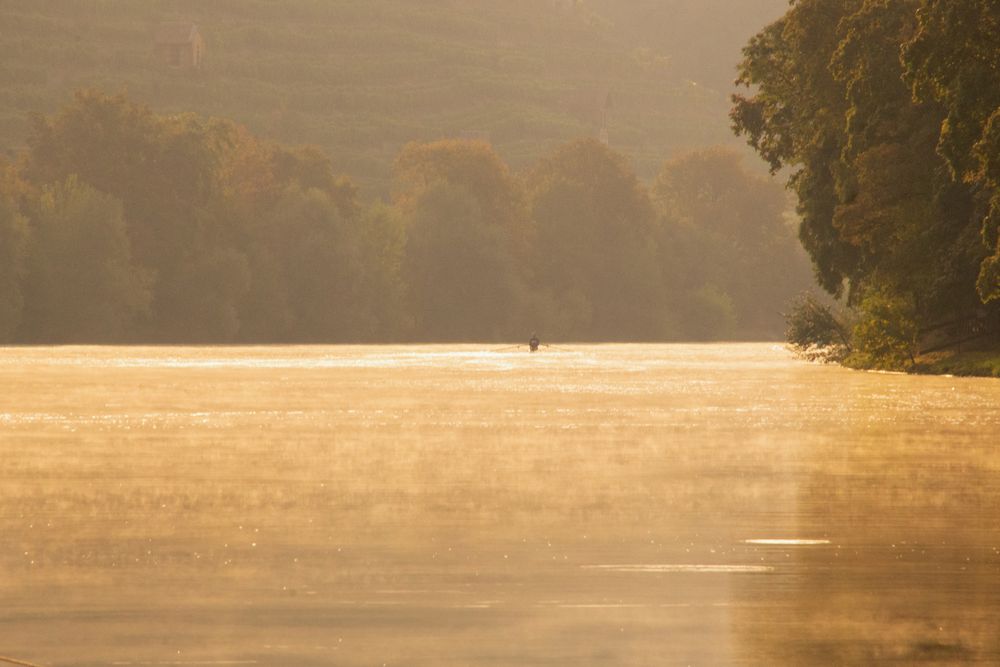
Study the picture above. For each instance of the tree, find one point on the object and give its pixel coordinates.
(473, 166)
(81, 284)
(314, 253)
(899, 207)
(13, 247)
(815, 332)
(989, 151)
(299, 226)
(205, 293)
(735, 226)
(866, 132)
(597, 251)
(707, 313)
(463, 279)
(954, 59)
(14, 236)
(462, 207)
(162, 168)
(885, 336)
(795, 118)
(381, 286)
(245, 238)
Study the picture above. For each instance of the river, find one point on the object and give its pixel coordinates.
(431, 505)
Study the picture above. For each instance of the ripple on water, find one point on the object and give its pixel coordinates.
(786, 543)
(672, 568)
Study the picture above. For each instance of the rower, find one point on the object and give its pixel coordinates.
(534, 342)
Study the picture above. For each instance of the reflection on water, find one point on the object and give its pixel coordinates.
(789, 543)
(429, 505)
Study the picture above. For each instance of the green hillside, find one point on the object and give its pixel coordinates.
(703, 38)
(360, 78)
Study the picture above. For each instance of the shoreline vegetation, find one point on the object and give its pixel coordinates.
(983, 362)
(886, 119)
(121, 225)
(819, 331)
(973, 363)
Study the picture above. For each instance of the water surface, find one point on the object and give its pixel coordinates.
(590, 505)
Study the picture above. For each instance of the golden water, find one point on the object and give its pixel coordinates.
(592, 505)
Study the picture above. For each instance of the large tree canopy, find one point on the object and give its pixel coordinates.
(881, 111)
(954, 59)
(82, 285)
(596, 249)
(795, 119)
(732, 225)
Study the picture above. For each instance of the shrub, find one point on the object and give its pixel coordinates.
(815, 332)
(885, 336)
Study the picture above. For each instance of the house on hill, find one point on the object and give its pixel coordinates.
(179, 45)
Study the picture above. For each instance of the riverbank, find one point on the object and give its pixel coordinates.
(984, 362)
(976, 363)
(966, 363)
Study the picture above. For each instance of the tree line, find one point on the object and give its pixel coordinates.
(886, 114)
(118, 224)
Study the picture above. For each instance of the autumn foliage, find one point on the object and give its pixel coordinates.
(119, 224)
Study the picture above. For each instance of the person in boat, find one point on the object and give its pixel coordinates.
(534, 342)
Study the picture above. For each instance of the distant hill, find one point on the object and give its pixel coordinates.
(360, 78)
(702, 38)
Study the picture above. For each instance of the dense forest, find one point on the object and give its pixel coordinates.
(886, 115)
(388, 170)
(121, 224)
(360, 79)
(383, 171)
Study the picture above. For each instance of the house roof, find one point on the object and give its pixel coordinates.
(176, 33)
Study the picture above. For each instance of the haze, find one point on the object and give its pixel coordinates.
(383, 171)
(444, 332)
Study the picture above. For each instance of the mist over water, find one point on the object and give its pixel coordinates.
(616, 504)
